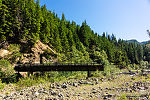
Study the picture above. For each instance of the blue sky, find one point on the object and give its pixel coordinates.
(126, 19)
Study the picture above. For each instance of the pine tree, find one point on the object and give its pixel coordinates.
(38, 18)
(4, 21)
(45, 25)
(63, 36)
(140, 52)
(70, 35)
(84, 34)
(16, 20)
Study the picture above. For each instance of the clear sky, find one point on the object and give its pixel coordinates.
(126, 19)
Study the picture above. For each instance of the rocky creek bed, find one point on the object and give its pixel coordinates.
(112, 88)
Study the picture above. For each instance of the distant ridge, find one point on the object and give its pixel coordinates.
(134, 40)
(145, 42)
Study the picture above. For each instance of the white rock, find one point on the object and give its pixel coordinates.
(36, 93)
(4, 52)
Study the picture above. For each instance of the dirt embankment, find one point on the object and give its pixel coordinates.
(38, 49)
(32, 55)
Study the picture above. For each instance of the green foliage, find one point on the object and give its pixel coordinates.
(134, 66)
(11, 78)
(79, 57)
(4, 63)
(110, 69)
(123, 97)
(2, 85)
(100, 57)
(107, 71)
(6, 69)
(84, 34)
(14, 48)
(48, 54)
(26, 82)
(15, 52)
(62, 58)
(3, 38)
(1, 74)
(47, 77)
(147, 52)
(143, 64)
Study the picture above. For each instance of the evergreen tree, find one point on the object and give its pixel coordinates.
(38, 18)
(63, 36)
(84, 34)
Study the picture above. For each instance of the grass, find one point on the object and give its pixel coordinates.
(2, 85)
(49, 77)
(123, 97)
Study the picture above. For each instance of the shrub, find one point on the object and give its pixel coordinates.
(6, 71)
(4, 63)
(26, 82)
(110, 69)
(143, 64)
(101, 57)
(123, 97)
(98, 74)
(11, 79)
(106, 71)
(133, 66)
(1, 74)
(15, 50)
(2, 85)
(6, 68)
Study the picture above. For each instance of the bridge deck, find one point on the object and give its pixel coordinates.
(58, 67)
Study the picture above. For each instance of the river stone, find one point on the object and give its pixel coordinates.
(60, 95)
(36, 93)
(67, 95)
(94, 91)
(21, 93)
(64, 86)
(75, 84)
(52, 85)
(53, 93)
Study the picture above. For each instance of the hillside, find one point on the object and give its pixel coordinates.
(27, 22)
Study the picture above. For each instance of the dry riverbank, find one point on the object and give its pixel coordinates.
(114, 87)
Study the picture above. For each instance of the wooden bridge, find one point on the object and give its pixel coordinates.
(59, 67)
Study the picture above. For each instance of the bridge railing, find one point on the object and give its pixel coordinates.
(55, 64)
(59, 67)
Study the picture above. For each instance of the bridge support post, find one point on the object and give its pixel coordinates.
(41, 58)
(88, 74)
(30, 74)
